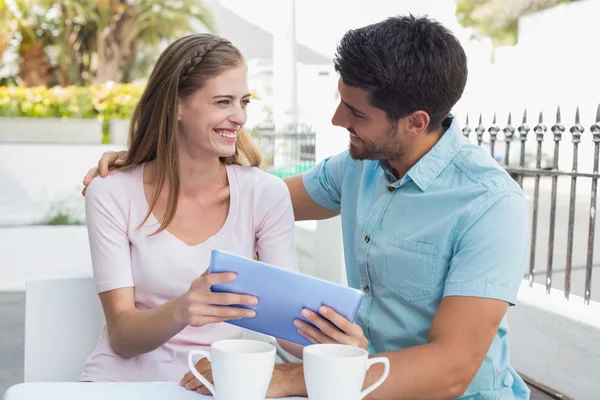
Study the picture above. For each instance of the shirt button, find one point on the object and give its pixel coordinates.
(367, 239)
(391, 188)
(366, 288)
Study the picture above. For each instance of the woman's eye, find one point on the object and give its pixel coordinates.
(224, 102)
(245, 102)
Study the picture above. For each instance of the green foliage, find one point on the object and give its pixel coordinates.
(76, 42)
(106, 101)
(62, 218)
(498, 19)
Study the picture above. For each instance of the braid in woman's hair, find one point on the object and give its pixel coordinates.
(193, 62)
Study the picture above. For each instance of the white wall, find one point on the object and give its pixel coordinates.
(42, 252)
(50, 130)
(35, 179)
(556, 342)
(319, 248)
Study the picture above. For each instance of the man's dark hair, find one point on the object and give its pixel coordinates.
(405, 63)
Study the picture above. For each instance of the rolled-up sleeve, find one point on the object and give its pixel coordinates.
(491, 247)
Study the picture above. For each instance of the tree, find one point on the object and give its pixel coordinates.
(5, 31)
(123, 28)
(498, 19)
(80, 41)
(27, 22)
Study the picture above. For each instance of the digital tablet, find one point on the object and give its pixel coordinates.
(282, 294)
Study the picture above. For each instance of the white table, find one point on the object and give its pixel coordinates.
(104, 391)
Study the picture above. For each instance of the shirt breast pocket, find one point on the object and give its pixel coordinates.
(410, 269)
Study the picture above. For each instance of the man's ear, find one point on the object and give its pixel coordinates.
(417, 123)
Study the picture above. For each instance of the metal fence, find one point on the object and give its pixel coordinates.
(542, 167)
(291, 153)
(285, 153)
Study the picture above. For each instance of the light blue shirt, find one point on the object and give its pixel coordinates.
(454, 225)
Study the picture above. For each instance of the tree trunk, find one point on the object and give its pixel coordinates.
(130, 63)
(109, 57)
(34, 67)
(4, 40)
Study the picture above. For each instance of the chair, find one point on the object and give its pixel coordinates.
(63, 321)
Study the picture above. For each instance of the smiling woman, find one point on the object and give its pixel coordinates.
(190, 185)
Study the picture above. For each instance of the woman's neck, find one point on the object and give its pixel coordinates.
(196, 175)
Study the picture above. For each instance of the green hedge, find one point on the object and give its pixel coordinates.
(106, 101)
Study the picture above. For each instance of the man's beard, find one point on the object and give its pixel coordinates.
(390, 148)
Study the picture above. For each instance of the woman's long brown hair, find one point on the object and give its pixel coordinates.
(181, 70)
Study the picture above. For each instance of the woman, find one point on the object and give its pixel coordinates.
(190, 184)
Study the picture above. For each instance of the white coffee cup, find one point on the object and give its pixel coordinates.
(241, 369)
(337, 372)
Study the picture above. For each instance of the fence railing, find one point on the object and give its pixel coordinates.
(524, 156)
(286, 153)
(545, 165)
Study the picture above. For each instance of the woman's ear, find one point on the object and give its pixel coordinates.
(180, 108)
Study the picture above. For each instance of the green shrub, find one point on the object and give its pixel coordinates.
(106, 101)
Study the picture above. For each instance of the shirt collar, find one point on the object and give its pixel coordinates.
(429, 167)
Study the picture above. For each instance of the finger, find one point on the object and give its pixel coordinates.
(215, 279)
(204, 390)
(341, 322)
(91, 174)
(209, 310)
(325, 326)
(202, 366)
(319, 336)
(121, 157)
(309, 337)
(205, 282)
(193, 384)
(228, 299)
(186, 378)
(108, 159)
(199, 321)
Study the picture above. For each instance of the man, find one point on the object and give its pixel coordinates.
(435, 231)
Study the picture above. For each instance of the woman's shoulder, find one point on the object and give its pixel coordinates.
(117, 183)
(256, 179)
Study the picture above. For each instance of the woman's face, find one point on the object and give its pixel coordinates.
(210, 120)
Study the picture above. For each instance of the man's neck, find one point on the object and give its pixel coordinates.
(414, 152)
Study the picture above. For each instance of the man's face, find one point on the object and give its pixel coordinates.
(372, 136)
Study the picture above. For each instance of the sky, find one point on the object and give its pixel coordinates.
(321, 23)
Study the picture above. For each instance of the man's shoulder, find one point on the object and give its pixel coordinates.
(351, 167)
(478, 166)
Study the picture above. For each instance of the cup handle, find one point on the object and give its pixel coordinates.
(386, 371)
(201, 378)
